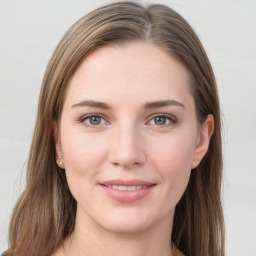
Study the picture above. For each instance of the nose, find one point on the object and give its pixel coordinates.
(126, 149)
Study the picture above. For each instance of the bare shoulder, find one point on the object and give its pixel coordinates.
(58, 252)
(178, 252)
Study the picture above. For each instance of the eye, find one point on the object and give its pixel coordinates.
(162, 120)
(93, 120)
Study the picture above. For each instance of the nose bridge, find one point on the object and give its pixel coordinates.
(126, 147)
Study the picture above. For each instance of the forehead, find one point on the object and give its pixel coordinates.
(133, 70)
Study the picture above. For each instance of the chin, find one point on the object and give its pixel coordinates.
(127, 222)
(126, 227)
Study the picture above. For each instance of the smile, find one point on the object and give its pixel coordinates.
(130, 188)
(127, 191)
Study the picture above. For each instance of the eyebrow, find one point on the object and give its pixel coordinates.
(93, 104)
(149, 105)
(163, 103)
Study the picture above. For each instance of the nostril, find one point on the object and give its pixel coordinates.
(125, 150)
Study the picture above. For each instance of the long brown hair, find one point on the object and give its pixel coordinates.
(44, 215)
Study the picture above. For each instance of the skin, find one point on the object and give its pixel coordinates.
(127, 142)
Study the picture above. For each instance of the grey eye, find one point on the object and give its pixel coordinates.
(94, 120)
(160, 120)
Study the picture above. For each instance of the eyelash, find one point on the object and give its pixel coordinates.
(169, 118)
(84, 118)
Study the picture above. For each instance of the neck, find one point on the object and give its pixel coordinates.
(89, 239)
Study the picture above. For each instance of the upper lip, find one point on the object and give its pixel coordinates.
(120, 182)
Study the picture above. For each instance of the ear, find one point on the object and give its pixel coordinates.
(203, 140)
(57, 143)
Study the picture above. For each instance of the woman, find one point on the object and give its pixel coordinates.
(126, 155)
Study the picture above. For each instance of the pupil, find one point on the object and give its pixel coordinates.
(160, 120)
(95, 120)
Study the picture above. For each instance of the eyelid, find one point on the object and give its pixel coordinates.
(171, 118)
(84, 117)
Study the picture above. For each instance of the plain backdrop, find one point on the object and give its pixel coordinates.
(29, 32)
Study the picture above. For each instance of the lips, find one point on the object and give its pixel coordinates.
(123, 188)
(127, 191)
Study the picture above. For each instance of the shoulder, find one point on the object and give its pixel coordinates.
(5, 254)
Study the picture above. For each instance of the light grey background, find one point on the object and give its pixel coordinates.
(29, 32)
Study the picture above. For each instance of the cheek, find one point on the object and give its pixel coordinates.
(83, 155)
(174, 152)
(81, 150)
(172, 158)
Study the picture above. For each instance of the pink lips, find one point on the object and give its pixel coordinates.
(127, 191)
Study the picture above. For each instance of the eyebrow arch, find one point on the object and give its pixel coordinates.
(163, 103)
(92, 103)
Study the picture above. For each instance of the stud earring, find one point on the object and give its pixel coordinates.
(59, 162)
(196, 160)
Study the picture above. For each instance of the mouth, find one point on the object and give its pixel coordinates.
(124, 188)
(127, 191)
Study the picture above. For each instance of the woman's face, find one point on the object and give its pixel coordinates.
(128, 136)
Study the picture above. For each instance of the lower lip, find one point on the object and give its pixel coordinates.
(127, 196)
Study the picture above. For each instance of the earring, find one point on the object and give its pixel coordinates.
(59, 162)
(196, 160)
